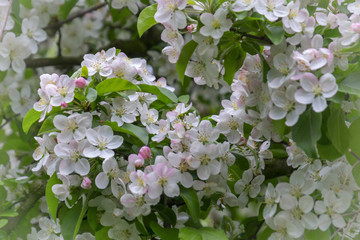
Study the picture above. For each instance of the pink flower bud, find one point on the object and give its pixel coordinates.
(355, 27)
(86, 183)
(63, 105)
(145, 152)
(80, 82)
(191, 28)
(139, 162)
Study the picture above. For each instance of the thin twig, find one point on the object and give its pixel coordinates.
(59, 43)
(5, 19)
(80, 14)
(44, 62)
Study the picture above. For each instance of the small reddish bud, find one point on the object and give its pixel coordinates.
(63, 105)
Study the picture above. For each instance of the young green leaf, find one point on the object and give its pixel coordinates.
(114, 85)
(91, 95)
(163, 94)
(185, 55)
(146, 19)
(307, 131)
(354, 140)
(30, 118)
(188, 233)
(51, 200)
(212, 234)
(131, 129)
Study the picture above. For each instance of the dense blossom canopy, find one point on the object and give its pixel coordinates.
(175, 119)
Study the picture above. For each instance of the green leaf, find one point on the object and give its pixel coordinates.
(102, 234)
(184, 99)
(48, 125)
(188, 233)
(317, 234)
(233, 60)
(164, 233)
(356, 173)
(146, 19)
(26, 3)
(16, 144)
(81, 216)
(84, 72)
(184, 58)
(131, 129)
(354, 140)
(91, 95)
(2, 75)
(323, 3)
(66, 8)
(9, 213)
(354, 48)
(337, 131)
(279, 126)
(3, 222)
(69, 221)
(351, 84)
(192, 202)
(332, 33)
(307, 131)
(114, 85)
(212, 234)
(30, 118)
(167, 214)
(51, 200)
(275, 34)
(163, 94)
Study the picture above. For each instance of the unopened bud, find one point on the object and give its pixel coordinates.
(145, 152)
(191, 28)
(80, 82)
(355, 27)
(86, 183)
(63, 105)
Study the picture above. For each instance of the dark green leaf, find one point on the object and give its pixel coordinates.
(338, 133)
(30, 118)
(51, 200)
(164, 233)
(9, 213)
(192, 202)
(146, 19)
(114, 85)
(66, 8)
(233, 60)
(307, 131)
(354, 140)
(184, 58)
(332, 33)
(2, 75)
(163, 94)
(167, 214)
(275, 34)
(69, 221)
